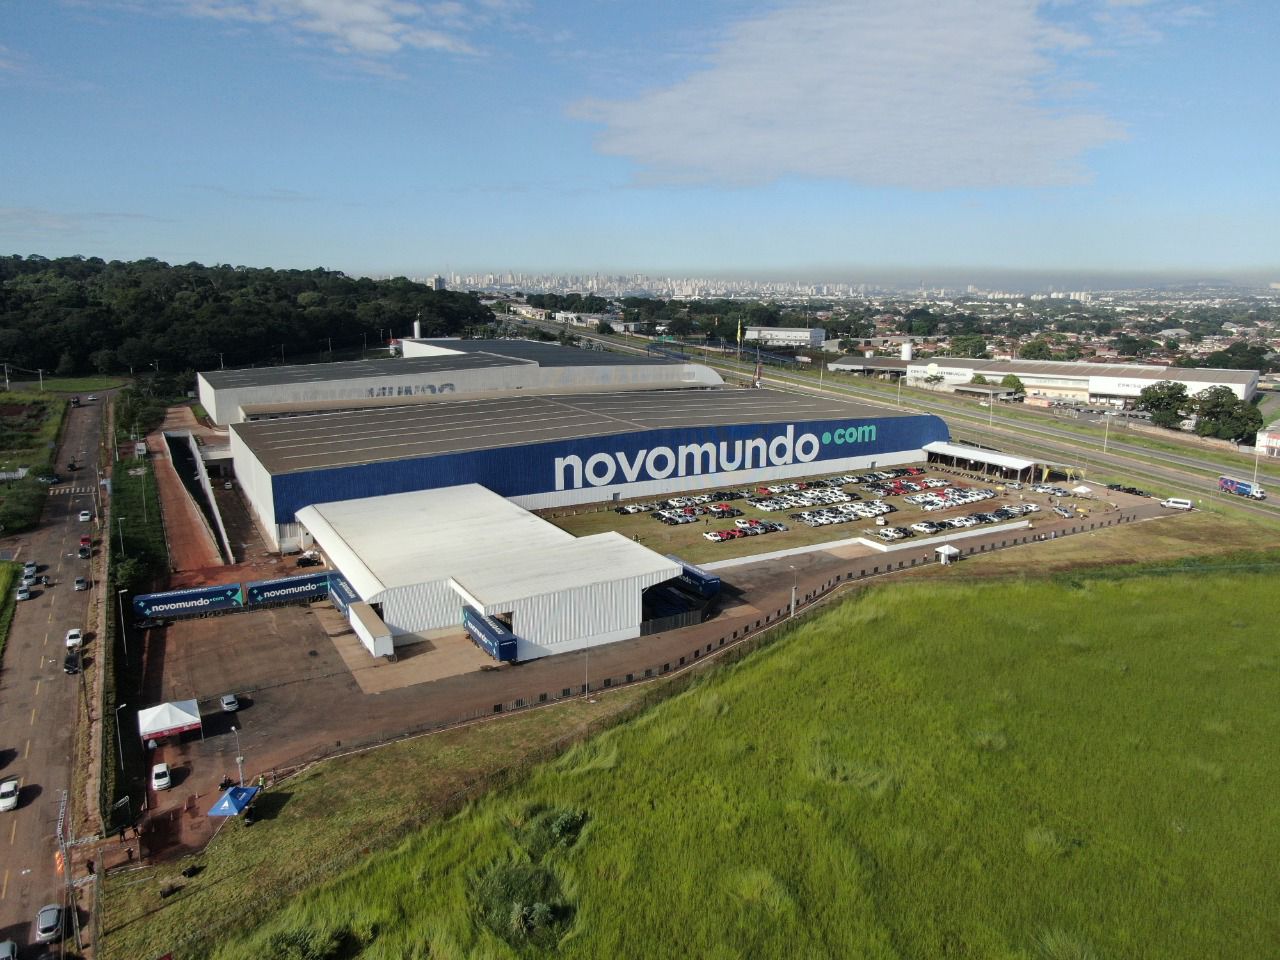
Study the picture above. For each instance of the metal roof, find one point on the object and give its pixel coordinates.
(455, 426)
(462, 355)
(491, 548)
(545, 354)
(978, 455)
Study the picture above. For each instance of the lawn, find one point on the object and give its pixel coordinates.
(80, 384)
(1020, 769)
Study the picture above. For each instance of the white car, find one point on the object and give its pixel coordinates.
(160, 779)
(24, 593)
(9, 794)
(75, 637)
(85, 516)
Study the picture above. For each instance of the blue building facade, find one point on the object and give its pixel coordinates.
(628, 464)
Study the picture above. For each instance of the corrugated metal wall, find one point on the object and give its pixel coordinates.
(421, 606)
(587, 616)
(257, 485)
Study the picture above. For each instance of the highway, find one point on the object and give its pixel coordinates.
(37, 699)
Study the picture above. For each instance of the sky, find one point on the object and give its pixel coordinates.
(822, 138)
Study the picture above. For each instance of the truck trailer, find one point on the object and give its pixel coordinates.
(1241, 488)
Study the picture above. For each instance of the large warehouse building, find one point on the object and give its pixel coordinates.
(545, 451)
(1117, 384)
(433, 561)
(434, 369)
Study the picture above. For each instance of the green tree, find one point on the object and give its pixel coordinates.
(1037, 349)
(604, 327)
(979, 379)
(1220, 413)
(969, 345)
(1167, 402)
(1010, 381)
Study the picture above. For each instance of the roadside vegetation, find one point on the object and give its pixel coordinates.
(8, 577)
(1062, 770)
(29, 425)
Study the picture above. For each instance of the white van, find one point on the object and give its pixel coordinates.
(1176, 503)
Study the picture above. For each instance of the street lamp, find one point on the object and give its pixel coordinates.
(239, 756)
(900, 379)
(793, 591)
(124, 634)
(120, 526)
(119, 738)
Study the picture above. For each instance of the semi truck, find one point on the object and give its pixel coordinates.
(1241, 488)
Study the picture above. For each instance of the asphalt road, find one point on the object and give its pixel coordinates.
(37, 699)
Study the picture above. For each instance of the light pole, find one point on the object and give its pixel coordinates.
(119, 738)
(239, 756)
(124, 634)
(1106, 432)
(900, 379)
(120, 527)
(1257, 452)
(793, 591)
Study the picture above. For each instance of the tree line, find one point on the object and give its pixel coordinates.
(1218, 411)
(83, 315)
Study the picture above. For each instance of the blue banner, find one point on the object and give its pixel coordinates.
(286, 590)
(188, 603)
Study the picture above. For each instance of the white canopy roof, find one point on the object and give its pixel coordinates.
(978, 455)
(168, 719)
(491, 549)
(947, 550)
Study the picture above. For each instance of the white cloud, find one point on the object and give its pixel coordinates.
(371, 30)
(909, 93)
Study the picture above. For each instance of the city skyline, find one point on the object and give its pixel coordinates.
(852, 141)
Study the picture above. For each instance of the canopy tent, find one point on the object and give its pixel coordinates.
(169, 720)
(233, 802)
(1082, 489)
(973, 458)
(947, 553)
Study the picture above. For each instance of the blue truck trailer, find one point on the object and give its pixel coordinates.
(1241, 488)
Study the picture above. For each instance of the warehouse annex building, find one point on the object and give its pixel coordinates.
(435, 369)
(558, 450)
(433, 561)
(1117, 384)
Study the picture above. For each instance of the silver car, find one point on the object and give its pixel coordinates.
(9, 794)
(49, 923)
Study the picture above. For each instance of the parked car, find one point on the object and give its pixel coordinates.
(305, 561)
(82, 583)
(91, 399)
(22, 593)
(71, 663)
(85, 516)
(160, 779)
(30, 568)
(9, 794)
(84, 553)
(8, 950)
(230, 704)
(75, 637)
(49, 923)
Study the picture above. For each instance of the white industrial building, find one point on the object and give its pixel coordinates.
(807, 337)
(435, 369)
(1116, 384)
(417, 559)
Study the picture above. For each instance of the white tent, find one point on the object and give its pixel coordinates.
(169, 720)
(1082, 489)
(947, 553)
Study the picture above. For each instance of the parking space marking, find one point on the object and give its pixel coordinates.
(38, 682)
(26, 751)
(5, 888)
(13, 832)
(33, 716)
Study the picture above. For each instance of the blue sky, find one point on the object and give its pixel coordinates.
(830, 138)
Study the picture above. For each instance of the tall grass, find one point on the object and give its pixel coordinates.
(1006, 770)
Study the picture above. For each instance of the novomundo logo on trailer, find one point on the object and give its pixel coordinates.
(694, 459)
(177, 603)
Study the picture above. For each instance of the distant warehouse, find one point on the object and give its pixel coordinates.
(1117, 384)
(434, 369)
(557, 450)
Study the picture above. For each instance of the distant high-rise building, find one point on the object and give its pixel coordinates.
(437, 282)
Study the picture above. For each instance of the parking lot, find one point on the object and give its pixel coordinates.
(884, 506)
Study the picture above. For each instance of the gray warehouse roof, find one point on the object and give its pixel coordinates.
(468, 355)
(1058, 368)
(454, 426)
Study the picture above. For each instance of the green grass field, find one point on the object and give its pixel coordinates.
(1021, 769)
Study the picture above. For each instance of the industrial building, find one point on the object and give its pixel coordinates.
(432, 369)
(546, 451)
(431, 562)
(1115, 384)
(806, 337)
